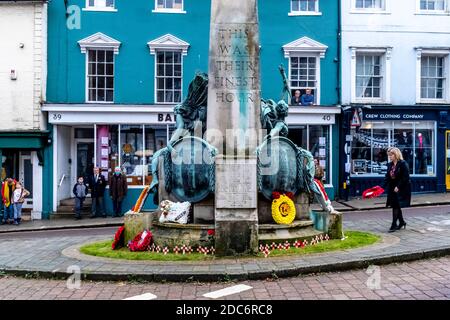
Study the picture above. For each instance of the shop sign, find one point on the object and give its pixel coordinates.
(166, 117)
(403, 116)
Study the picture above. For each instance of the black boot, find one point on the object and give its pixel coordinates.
(402, 223)
(394, 220)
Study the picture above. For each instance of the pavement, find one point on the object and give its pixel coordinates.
(55, 254)
(418, 280)
(354, 204)
(417, 200)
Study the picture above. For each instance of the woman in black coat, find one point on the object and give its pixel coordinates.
(398, 187)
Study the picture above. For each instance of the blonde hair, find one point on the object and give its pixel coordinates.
(396, 152)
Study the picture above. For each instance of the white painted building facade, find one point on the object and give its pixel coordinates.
(400, 33)
(396, 88)
(23, 72)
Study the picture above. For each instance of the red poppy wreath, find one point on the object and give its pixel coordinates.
(141, 242)
(118, 238)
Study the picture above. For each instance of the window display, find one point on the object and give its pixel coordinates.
(132, 147)
(131, 152)
(414, 139)
(316, 139)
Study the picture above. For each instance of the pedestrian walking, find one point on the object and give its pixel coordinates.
(19, 195)
(118, 189)
(8, 187)
(80, 190)
(398, 186)
(97, 185)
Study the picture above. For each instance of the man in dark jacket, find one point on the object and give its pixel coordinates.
(118, 189)
(80, 190)
(97, 185)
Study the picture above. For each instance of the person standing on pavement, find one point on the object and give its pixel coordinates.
(398, 187)
(80, 190)
(8, 187)
(97, 185)
(118, 189)
(19, 195)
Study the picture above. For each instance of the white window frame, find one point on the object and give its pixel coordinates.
(168, 42)
(168, 10)
(385, 54)
(316, 87)
(445, 11)
(98, 41)
(156, 78)
(306, 47)
(384, 10)
(316, 12)
(100, 8)
(87, 77)
(445, 53)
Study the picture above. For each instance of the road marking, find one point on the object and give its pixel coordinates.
(145, 296)
(442, 222)
(227, 291)
(435, 229)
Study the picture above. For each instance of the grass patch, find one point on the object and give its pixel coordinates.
(354, 239)
(103, 249)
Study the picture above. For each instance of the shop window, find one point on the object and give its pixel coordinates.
(316, 139)
(131, 153)
(114, 155)
(155, 139)
(100, 77)
(414, 139)
(132, 148)
(169, 76)
(10, 164)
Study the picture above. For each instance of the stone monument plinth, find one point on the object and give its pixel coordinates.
(233, 122)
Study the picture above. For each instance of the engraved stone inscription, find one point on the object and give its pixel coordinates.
(237, 187)
(235, 68)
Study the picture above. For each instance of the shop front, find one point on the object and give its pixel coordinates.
(85, 136)
(418, 132)
(106, 137)
(22, 158)
(315, 129)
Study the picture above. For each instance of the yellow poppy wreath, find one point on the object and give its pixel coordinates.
(283, 210)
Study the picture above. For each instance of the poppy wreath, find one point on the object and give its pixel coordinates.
(141, 242)
(283, 208)
(373, 192)
(119, 238)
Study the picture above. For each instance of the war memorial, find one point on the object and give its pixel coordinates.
(229, 169)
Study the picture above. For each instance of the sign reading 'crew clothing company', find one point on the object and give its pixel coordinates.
(399, 115)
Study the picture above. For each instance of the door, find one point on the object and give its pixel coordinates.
(26, 176)
(85, 158)
(447, 160)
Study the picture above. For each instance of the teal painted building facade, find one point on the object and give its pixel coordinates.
(117, 68)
